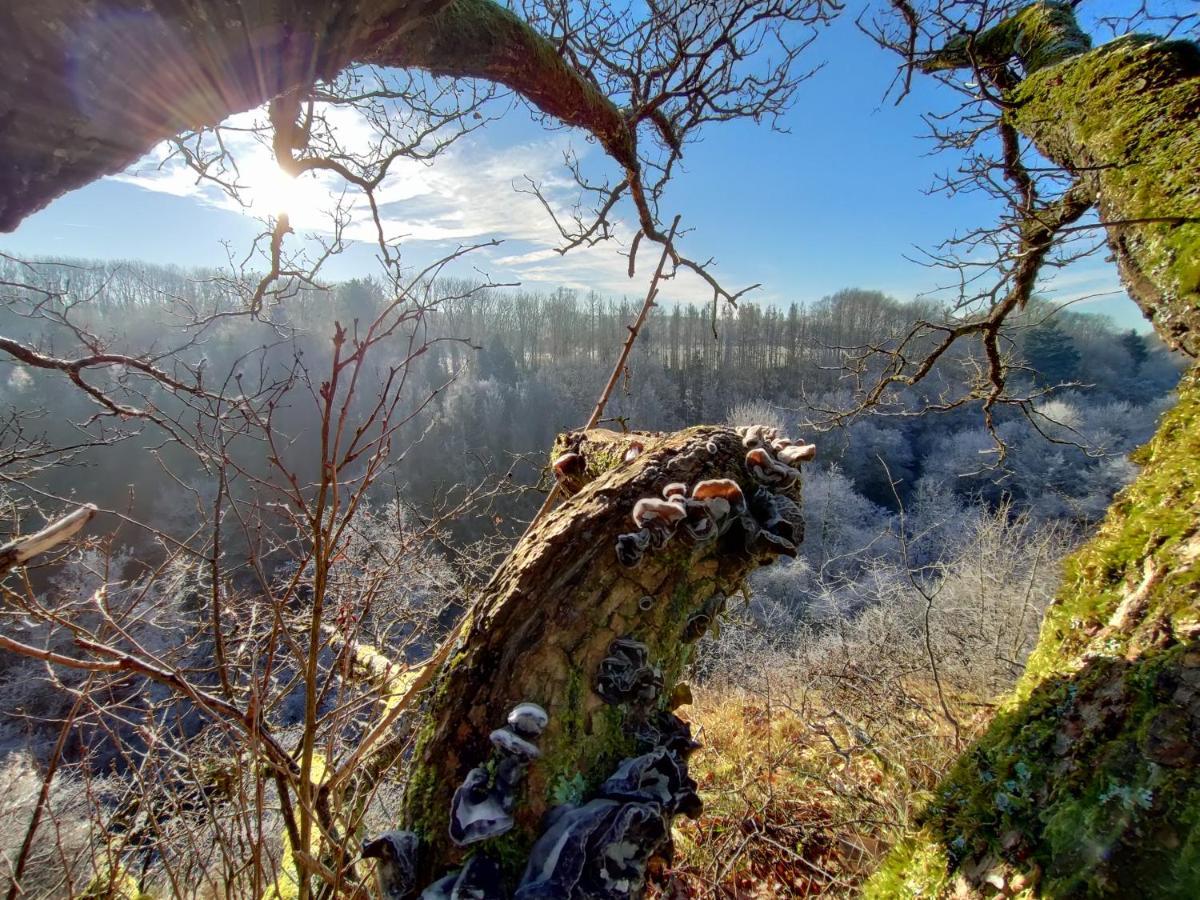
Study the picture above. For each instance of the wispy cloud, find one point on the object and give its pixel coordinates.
(475, 191)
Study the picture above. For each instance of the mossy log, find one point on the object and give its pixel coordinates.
(545, 623)
(1087, 783)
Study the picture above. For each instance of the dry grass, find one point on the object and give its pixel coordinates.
(804, 795)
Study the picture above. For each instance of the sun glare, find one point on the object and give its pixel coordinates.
(271, 191)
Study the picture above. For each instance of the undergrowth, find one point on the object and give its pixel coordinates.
(803, 798)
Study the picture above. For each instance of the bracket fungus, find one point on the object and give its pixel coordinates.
(508, 741)
(626, 676)
(655, 777)
(477, 811)
(656, 521)
(602, 848)
(396, 871)
(599, 850)
(528, 720)
(676, 490)
(779, 515)
(766, 469)
(569, 469)
(699, 621)
(632, 547)
(479, 879)
(652, 513)
(794, 454)
(681, 695)
(700, 524)
(756, 435)
(665, 729)
(724, 489)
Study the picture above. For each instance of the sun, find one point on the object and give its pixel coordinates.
(269, 191)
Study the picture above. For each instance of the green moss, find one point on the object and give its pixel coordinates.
(113, 884)
(1088, 780)
(1127, 112)
(917, 868)
(511, 851)
(421, 789)
(1040, 35)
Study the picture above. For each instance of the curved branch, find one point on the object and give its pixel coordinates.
(74, 106)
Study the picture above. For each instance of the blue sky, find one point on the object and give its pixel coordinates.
(839, 201)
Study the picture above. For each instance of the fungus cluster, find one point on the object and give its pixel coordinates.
(626, 676)
(771, 459)
(703, 516)
(602, 847)
(482, 805)
(481, 809)
(770, 522)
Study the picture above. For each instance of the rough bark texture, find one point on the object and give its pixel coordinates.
(88, 86)
(541, 630)
(1088, 781)
(1125, 117)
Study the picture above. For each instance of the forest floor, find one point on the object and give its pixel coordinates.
(803, 798)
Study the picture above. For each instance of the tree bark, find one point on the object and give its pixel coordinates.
(89, 86)
(541, 630)
(1087, 783)
(1124, 117)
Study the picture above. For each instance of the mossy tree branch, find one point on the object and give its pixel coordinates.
(1121, 119)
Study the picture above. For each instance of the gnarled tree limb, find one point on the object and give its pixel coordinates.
(90, 87)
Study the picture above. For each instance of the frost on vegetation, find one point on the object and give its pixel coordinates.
(63, 849)
(991, 573)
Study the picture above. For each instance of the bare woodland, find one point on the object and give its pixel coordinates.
(321, 644)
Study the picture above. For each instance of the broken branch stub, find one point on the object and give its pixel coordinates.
(22, 550)
(566, 625)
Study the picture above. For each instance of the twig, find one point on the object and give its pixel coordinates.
(606, 394)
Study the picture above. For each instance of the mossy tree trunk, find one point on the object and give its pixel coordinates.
(1088, 781)
(1124, 118)
(541, 630)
